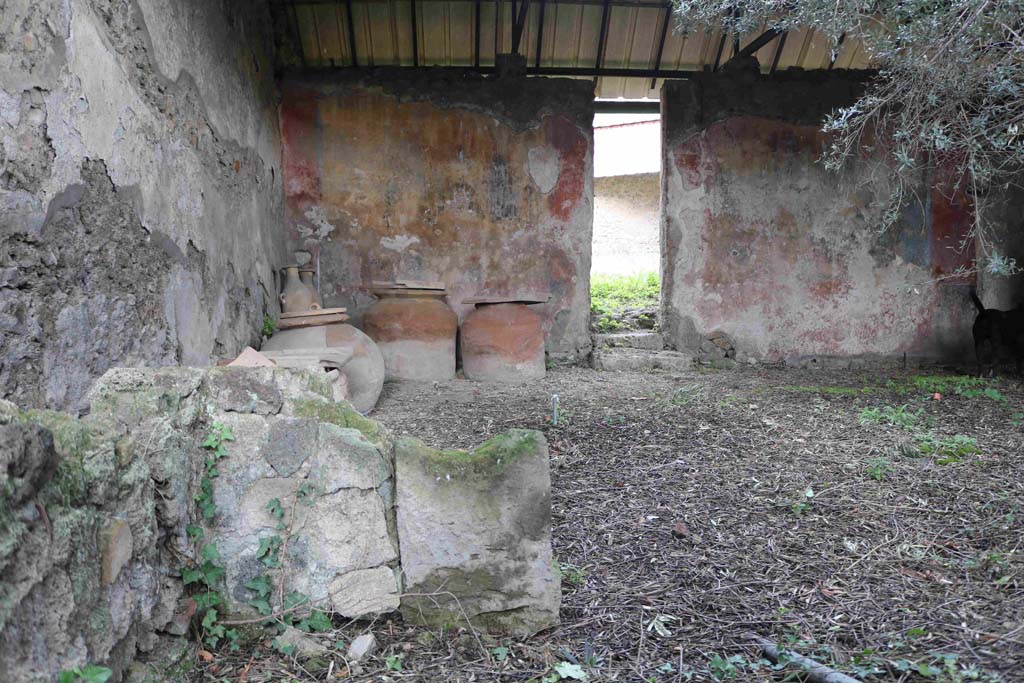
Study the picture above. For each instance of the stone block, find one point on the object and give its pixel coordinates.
(475, 530)
(124, 397)
(637, 360)
(115, 549)
(244, 390)
(333, 486)
(364, 592)
(650, 341)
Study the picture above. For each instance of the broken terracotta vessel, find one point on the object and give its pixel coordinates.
(361, 361)
(503, 342)
(415, 330)
(296, 296)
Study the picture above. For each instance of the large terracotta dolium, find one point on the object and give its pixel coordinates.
(503, 342)
(416, 335)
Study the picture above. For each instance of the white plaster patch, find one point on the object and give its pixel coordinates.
(398, 242)
(318, 217)
(545, 166)
(10, 109)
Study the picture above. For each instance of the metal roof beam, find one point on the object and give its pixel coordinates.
(778, 52)
(518, 24)
(476, 34)
(627, 107)
(661, 44)
(415, 38)
(756, 44)
(603, 37)
(540, 30)
(351, 31)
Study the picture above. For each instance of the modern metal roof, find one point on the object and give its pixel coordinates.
(630, 46)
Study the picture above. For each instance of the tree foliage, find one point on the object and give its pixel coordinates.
(948, 94)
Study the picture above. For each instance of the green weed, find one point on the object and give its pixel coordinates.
(572, 573)
(947, 450)
(897, 417)
(833, 391)
(987, 392)
(85, 674)
(879, 469)
(611, 294)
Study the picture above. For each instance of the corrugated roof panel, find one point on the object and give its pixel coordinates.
(446, 36)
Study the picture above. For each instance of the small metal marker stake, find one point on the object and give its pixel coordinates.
(554, 410)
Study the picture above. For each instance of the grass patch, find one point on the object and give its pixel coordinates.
(900, 416)
(611, 294)
(834, 391)
(946, 450)
(962, 385)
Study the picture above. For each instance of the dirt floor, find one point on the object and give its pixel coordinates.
(870, 520)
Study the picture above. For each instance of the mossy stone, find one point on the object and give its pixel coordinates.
(340, 413)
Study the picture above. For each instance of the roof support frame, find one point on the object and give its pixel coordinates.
(778, 51)
(351, 31)
(518, 23)
(540, 30)
(757, 43)
(661, 44)
(603, 38)
(415, 37)
(298, 34)
(476, 33)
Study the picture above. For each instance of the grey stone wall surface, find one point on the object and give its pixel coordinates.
(140, 188)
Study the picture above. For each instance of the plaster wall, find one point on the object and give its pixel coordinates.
(763, 243)
(140, 188)
(627, 215)
(485, 185)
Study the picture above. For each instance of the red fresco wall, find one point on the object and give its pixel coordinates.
(765, 244)
(381, 186)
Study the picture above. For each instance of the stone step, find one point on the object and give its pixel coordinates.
(639, 360)
(650, 341)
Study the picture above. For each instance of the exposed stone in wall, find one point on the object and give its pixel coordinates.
(762, 243)
(140, 200)
(335, 487)
(87, 567)
(482, 184)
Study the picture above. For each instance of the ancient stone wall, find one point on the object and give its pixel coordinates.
(482, 184)
(763, 243)
(187, 496)
(140, 188)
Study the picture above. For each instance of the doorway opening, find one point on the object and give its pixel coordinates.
(626, 256)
